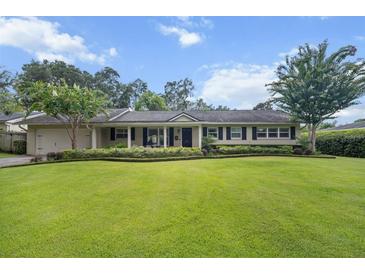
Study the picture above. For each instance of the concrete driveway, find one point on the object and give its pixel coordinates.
(13, 161)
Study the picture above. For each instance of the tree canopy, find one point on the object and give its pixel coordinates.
(72, 105)
(150, 101)
(177, 94)
(313, 86)
(267, 105)
(8, 103)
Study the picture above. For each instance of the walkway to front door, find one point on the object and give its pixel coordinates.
(187, 137)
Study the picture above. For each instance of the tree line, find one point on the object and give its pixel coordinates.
(15, 90)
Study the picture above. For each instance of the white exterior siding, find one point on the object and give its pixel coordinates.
(42, 140)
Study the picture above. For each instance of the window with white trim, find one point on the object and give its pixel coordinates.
(262, 133)
(236, 133)
(121, 133)
(284, 132)
(212, 132)
(273, 133)
(155, 137)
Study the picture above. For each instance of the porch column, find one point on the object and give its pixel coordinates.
(129, 137)
(200, 136)
(164, 136)
(93, 138)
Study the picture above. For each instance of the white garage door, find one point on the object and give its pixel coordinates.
(55, 140)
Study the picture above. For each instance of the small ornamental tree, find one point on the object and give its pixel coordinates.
(72, 105)
(312, 86)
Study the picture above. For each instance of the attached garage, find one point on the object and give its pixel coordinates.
(41, 141)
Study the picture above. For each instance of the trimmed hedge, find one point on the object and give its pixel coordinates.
(135, 152)
(342, 143)
(247, 149)
(20, 146)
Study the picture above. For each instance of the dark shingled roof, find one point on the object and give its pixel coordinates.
(349, 126)
(248, 116)
(47, 120)
(244, 116)
(147, 116)
(15, 115)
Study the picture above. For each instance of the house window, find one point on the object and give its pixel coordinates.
(121, 133)
(213, 132)
(284, 132)
(262, 133)
(155, 137)
(273, 132)
(236, 133)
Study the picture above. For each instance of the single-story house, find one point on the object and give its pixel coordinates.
(164, 129)
(9, 122)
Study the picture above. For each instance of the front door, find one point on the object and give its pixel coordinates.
(187, 137)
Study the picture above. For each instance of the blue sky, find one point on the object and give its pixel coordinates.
(229, 59)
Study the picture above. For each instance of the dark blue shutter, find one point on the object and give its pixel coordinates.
(244, 133)
(228, 133)
(112, 134)
(292, 133)
(144, 136)
(205, 132)
(220, 133)
(254, 133)
(133, 133)
(171, 135)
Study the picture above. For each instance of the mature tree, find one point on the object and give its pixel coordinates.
(177, 94)
(312, 86)
(359, 120)
(267, 105)
(8, 102)
(150, 101)
(107, 80)
(55, 72)
(201, 105)
(220, 108)
(135, 89)
(325, 125)
(72, 105)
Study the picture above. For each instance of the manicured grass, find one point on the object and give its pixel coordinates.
(242, 207)
(6, 155)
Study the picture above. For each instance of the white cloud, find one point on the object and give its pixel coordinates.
(186, 38)
(359, 38)
(113, 52)
(352, 113)
(291, 52)
(44, 40)
(195, 22)
(240, 86)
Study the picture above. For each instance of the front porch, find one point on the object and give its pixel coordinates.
(147, 136)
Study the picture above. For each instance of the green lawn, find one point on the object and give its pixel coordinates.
(242, 207)
(6, 155)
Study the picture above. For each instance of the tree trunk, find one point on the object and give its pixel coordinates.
(309, 127)
(313, 138)
(74, 138)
